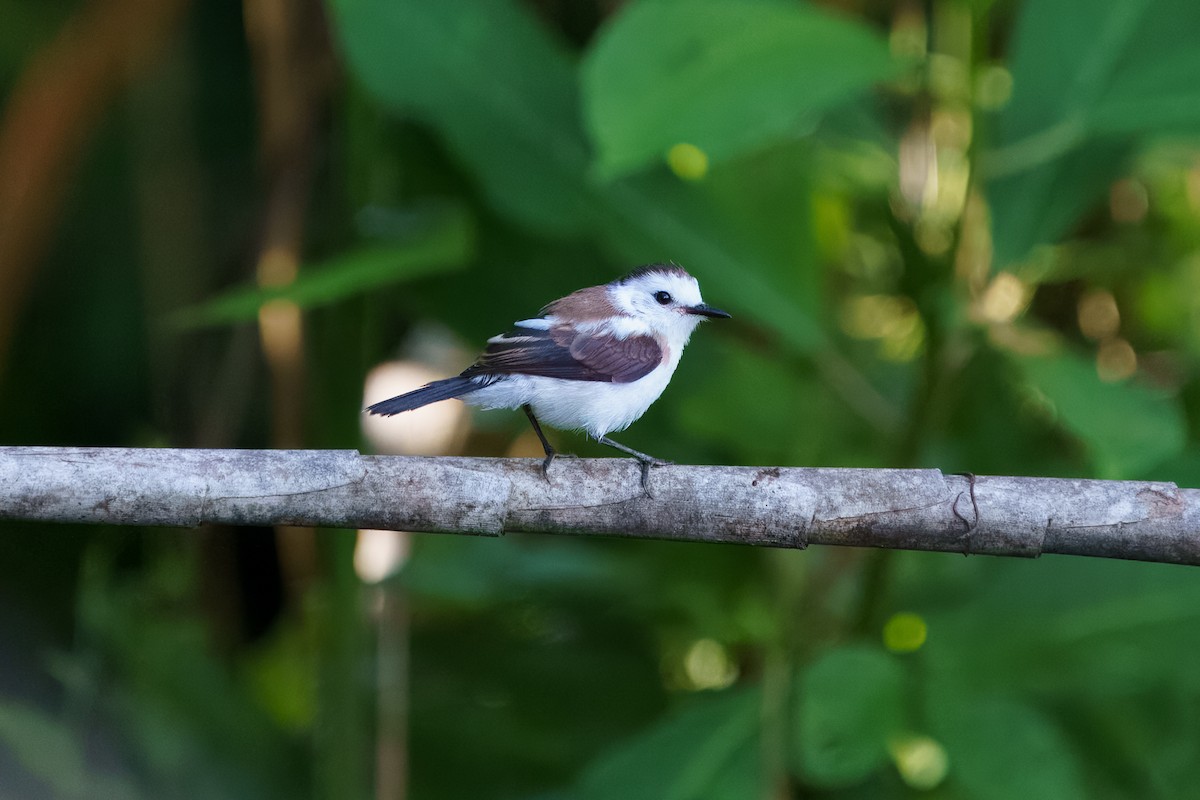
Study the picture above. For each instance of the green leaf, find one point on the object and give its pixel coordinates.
(499, 90)
(1101, 628)
(445, 246)
(848, 702)
(1089, 82)
(724, 75)
(1040, 205)
(49, 750)
(708, 751)
(44, 747)
(654, 217)
(1004, 749)
(502, 95)
(1127, 427)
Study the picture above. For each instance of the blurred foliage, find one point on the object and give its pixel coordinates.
(957, 233)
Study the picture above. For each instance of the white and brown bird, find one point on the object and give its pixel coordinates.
(593, 361)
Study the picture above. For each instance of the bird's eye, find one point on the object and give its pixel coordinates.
(663, 298)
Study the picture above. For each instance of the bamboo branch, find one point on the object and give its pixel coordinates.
(773, 506)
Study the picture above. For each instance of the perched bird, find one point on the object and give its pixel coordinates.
(593, 361)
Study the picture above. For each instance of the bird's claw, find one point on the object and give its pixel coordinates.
(550, 460)
(646, 465)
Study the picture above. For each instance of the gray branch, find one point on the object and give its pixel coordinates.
(773, 506)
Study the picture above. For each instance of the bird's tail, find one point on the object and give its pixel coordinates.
(429, 393)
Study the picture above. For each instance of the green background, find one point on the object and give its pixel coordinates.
(958, 234)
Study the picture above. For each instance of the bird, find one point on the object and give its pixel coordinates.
(591, 361)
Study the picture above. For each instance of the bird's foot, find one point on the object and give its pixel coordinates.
(550, 456)
(647, 463)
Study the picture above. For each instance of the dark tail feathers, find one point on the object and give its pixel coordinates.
(429, 393)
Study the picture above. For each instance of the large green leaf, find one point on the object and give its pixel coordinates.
(1041, 204)
(1085, 626)
(848, 703)
(709, 751)
(1002, 749)
(502, 95)
(498, 89)
(655, 217)
(724, 75)
(1127, 427)
(1102, 644)
(1089, 80)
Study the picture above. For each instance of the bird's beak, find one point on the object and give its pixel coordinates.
(705, 310)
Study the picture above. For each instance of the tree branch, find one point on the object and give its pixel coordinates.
(773, 506)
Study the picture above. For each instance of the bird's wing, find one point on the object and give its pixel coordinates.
(563, 352)
(624, 360)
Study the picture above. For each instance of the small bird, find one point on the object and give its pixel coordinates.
(593, 361)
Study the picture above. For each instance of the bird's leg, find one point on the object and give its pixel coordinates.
(646, 461)
(550, 451)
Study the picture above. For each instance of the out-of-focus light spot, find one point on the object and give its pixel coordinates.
(688, 161)
(278, 266)
(279, 324)
(708, 666)
(921, 760)
(1004, 298)
(831, 225)
(431, 430)
(993, 87)
(874, 316)
(906, 344)
(947, 76)
(973, 254)
(869, 259)
(892, 319)
(1193, 188)
(1026, 341)
(1099, 317)
(954, 179)
(951, 128)
(918, 167)
(933, 237)
(1128, 200)
(904, 633)
(378, 555)
(1116, 360)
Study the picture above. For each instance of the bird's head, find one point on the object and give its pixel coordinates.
(664, 298)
